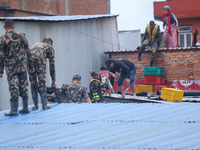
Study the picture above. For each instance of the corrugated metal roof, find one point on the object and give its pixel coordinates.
(59, 18)
(161, 49)
(115, 126)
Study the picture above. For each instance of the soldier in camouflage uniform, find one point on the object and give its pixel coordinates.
(73, 92)
(97, 87)
(151, 38)
(13, 48)
(40, 52)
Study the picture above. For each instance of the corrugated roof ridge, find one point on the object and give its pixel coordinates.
(60, 18)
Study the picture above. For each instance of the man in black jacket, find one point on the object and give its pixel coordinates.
(127, 70)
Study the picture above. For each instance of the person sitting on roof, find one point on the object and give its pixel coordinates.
(151, 38)
(102, 74)
(74, 92)
(97, 87)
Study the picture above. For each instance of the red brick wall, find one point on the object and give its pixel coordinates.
(13, 3)
(57, 7)
(87, 7)
(178, 64)
(25, 14)
(39, 6)
(16, 13)
(45, 6)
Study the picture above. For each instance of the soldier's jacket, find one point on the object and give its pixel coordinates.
(74, 92)
(13, 48)
(42, 51)
(97, 90)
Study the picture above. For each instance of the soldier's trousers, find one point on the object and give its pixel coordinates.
(40, 73)
(153, 45)
(18, 85)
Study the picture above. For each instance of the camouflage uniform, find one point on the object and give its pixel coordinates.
(74, 92)
(13, 48)
(97, 89)
(13, 51)
(151, 38)
(40, 52)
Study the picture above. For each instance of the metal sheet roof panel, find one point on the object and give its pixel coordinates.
(104, 126)
(60, 18)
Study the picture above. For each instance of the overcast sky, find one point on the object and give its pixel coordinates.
(134, 14)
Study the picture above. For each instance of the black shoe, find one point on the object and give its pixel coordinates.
(151, 63)
(139, 56)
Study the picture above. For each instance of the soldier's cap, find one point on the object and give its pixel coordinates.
(76, 77)
(94, 73)
(108, 62)
(151, 22)
(48, 39)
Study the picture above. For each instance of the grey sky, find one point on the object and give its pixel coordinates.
(134, 14)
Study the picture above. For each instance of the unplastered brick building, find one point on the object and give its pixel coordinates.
(182, 66)
(21, 8)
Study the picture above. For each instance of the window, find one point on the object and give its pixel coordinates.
(185, 36)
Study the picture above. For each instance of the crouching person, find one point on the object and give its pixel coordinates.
(74, 92)
(97, 87)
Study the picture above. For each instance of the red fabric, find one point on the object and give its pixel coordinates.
(169, 20)
(103, 73)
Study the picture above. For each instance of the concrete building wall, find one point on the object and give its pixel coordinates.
(194, 22)
(79, 47)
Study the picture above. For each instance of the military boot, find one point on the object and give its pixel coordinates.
(25, 105)
(139, 56)
(151, 63)
(14, 108)
(43, 94)
(35, 98)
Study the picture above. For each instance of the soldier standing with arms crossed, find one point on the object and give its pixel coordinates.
(13, 47)
(40, 52)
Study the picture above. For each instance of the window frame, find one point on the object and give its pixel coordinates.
(185, 33)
